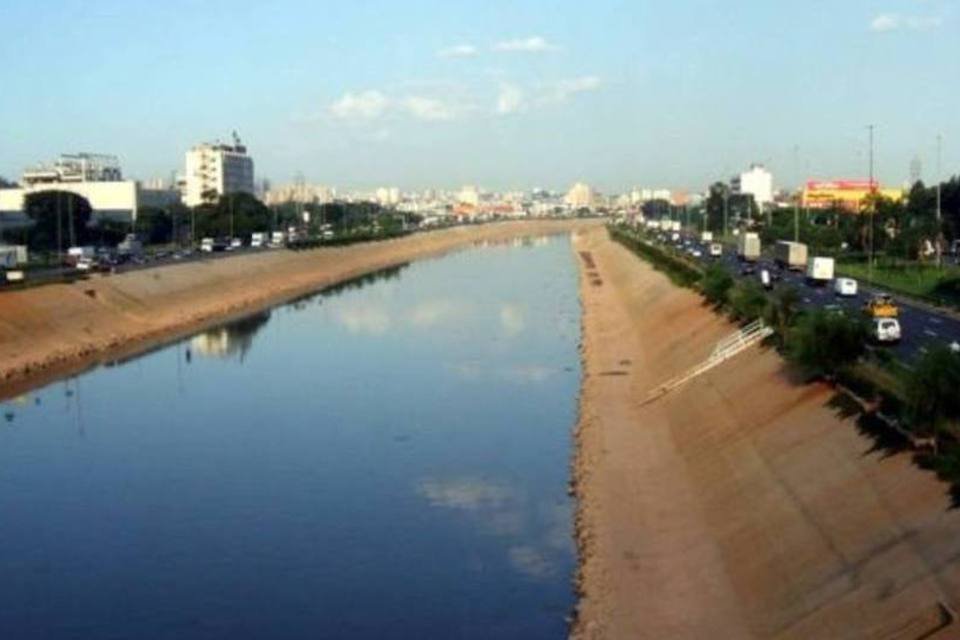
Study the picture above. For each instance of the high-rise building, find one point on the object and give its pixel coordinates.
(469, 195)
(388, 196)
(581, 196)
(213, 170)
(756, 181)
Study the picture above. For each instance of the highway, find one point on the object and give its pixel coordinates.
(922, 327)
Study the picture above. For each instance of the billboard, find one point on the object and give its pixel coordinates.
(848, 194)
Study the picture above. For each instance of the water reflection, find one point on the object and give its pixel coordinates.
(234, 338)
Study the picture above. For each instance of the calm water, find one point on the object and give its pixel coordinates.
(385, 460)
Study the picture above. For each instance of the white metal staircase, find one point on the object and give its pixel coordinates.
(725, 349)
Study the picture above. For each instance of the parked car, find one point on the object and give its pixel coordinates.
(886, 330)
(846, 287)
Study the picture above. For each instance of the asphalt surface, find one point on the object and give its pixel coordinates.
(921, 327)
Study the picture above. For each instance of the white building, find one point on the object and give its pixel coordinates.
(388, 196)
(469, 195)
(581, 196)
(299, 193)
(757, 181)
(94, 177)
(214, 170)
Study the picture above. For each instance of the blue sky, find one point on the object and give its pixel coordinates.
(501, 94)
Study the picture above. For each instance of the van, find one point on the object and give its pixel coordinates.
(845, 287)
(886, 330)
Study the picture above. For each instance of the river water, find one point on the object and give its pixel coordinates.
(387, 459)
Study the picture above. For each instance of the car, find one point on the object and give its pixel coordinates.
(881, 306)
(845, 287)
(697, 253)
(766, 279)
(85, 264)
(886, 330)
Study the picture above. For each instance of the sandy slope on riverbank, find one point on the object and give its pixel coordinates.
(57, 329)
(742, 505)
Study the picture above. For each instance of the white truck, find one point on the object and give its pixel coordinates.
(12, 255)
(277, 239)
(706, 236)
(76, 254)
(259, 239)
(748, 247)
(790, 255)
(130, 246)
(819, 270)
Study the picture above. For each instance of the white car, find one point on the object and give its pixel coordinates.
(886, 330)
(84, 264)
(846, 287)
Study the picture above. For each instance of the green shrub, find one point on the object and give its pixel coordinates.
(823, 343)
(716, 285)
(747, 301)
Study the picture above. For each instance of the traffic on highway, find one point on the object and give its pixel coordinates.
(920, 326)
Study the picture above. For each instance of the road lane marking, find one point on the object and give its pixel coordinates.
(930, 332)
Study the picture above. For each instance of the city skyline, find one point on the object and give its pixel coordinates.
(502, 96)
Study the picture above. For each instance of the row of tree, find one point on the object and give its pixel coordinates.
(906, 229)
(60, 219)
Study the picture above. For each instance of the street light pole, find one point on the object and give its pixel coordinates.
(872, 205)
(939, 239)
(796, 201)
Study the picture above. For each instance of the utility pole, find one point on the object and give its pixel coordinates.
(796, 200)
(872, 205)
(231, 217)
(726, 206)
(59, 234)
(939, 238)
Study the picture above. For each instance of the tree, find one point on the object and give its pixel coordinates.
(154, 225)
(239, 214)
(716, 285)
(60, 219)
(782, 311)
(931, 390)
(716, 202)
(6, 184)
(747, 300)
(824, 342)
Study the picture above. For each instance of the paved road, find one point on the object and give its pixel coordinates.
(921, 326)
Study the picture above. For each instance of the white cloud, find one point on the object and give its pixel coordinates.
(893, 22)
(369, 320)
(533, 44)
(511, 319)
(572, 86)
(424, 108)
(509, 100)
(459, 51)
(365, 105)
(467, 494)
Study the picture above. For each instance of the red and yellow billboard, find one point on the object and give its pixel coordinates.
(849, 194)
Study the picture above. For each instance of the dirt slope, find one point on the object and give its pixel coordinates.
(742, 505)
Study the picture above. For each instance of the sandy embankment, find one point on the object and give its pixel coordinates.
(742, 505)
(59, 329)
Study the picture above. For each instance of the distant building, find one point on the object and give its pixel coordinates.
(642, 195)
(581, 196)
(388, 196)
(95, 177)
(756, 181)
(469, 195)
(214, 170)
(847, 194)
(299, 193)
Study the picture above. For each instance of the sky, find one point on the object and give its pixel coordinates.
(504, 95)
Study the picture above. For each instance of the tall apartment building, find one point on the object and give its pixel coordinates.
(757, 181)
(213, 170)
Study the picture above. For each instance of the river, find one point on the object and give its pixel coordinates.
(387, 458)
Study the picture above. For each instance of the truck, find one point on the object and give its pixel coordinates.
(706, 236)
(819, 270)
(12, 255)
(790, 255)
(277, 239)
(76, 254)
(130, 246)
(259, 239)
(748, 247)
